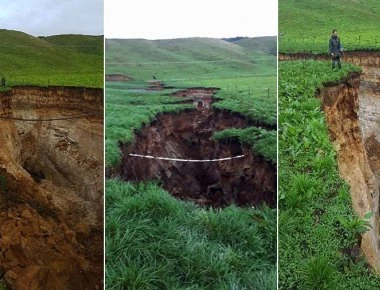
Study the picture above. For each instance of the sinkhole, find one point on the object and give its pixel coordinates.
(241, 177)
(51, 195)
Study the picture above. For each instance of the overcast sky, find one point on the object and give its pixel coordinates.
(50, 17)
(165, 19)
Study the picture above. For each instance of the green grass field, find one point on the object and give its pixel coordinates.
(68, 60)
(154, 241)
(317, 225)
(306, 26)
(185, 60)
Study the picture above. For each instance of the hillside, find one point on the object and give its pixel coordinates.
(56, 60)
(90, 44)
(356, 22)
(185, 59)
(266, 44)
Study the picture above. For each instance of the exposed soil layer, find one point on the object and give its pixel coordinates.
(202, 97)
(51, 188)
(196, 92)
(356, 57)
(117, 78)
(341, 107)
(155, 85)
(246, 181)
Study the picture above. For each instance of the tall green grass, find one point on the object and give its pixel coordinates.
(260, 140)
(317, 227)
(154, 241)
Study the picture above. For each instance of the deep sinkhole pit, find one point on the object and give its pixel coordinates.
(246, 181)
(55, 135)
(51, 189)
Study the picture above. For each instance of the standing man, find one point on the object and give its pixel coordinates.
(335, 49)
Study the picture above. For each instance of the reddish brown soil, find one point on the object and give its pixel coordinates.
(51, 189)
(356, 57)
(117, 78)
(201, 97)
(248, 181)
(155, 85)
(196, 92)
(42, 253)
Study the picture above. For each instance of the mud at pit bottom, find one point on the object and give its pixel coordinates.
(246, 181)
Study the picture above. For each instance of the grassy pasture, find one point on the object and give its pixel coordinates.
(73, 60)
(306, 26)
(185, 60)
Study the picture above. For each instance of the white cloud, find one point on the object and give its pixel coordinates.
(49, 17)
(204, 18)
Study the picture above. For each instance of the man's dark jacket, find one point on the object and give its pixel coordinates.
(334, 45)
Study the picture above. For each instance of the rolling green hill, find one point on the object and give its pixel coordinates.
(266, 44)
(306, 25)
(90, 44)
(185, 59)
(55, 60)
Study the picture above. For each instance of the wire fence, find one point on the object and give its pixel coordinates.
(227, 60)
(319, 42)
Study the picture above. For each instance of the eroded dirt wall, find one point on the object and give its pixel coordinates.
(76, 98)
(51, 189)
(341, 107)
